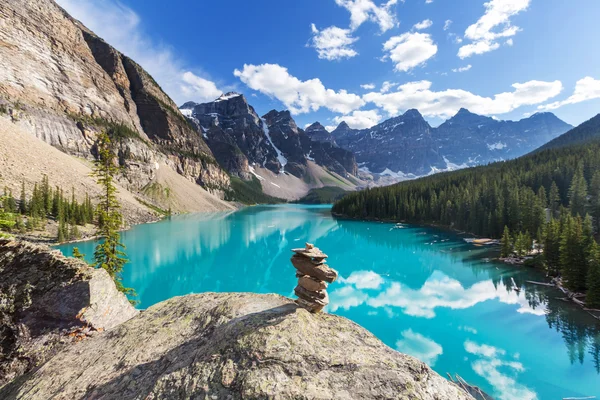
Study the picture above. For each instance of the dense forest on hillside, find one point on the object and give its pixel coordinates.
(324, 195)
(588, 131)
(549, 199)
(27, 214)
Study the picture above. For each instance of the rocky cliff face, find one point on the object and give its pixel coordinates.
(240, 139)
(406, 146)
(64, 84)
(48, 301)
(235, 133)
(318, 133)
(233, 346)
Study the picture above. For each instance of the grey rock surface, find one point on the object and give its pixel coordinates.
(44, 299)
(232, 346)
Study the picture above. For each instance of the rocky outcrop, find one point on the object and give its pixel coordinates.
(233, 346)
(298, 147)
(318, 133)
(64, 84)
(235, 134)
(48, 301)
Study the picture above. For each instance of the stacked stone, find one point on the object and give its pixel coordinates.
(313, 276)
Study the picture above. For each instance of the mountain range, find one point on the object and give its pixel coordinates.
(400, 148)
(406, 146)
(61, 84)
(272, 148)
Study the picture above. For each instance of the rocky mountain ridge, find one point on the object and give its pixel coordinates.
(63, 84)
(243, 142)
(406, 146)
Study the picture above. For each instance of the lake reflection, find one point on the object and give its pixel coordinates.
(422, 291)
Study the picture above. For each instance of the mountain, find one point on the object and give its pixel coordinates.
(317, 132)
(402, 144)
(271, 148)
(62, 84)
(485, 199)
(407, 146)
(471, 139)
(586, 132)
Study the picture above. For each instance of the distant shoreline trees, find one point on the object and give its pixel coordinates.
(552, 196)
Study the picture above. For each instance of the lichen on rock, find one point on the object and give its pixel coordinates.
(233, 346)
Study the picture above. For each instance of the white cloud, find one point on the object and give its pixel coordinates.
(359, 119)
(196, 87)
(366, 10)
(387, 86)
(462, 69)
(446, 103)
(333, 43)
(363, 279)
(438, 291)
(121, 27)
(493, 25)
(410, 50)
(426, 23)
(587, 88)
(476, 48)
(428, 1)
(298, 96)
(501, 374)
(447, 24)
(509, 42)
(368, 86)
(483, 350)
(419, 346)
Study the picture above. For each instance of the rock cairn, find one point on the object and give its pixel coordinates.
(313, 276)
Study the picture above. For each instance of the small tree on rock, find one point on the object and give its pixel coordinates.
(109, 253)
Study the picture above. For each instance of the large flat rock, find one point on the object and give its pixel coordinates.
(232, 346)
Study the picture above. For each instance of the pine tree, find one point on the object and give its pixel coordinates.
(595, 199)
(592, 298)
(578, 193)
(552, 247)
(23, 200)
(507, 248)
(77, 254)
(554, 199)
(109, 253)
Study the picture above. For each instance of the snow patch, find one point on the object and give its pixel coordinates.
(450, 166)
(282, 160)
(227, 96)
(187, 112)
(253, 172)
(401, 176)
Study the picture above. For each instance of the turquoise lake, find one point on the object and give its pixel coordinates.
(422, 291)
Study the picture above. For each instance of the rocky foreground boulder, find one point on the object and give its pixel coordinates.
(232, 346)
(48, 301)
(205, 346)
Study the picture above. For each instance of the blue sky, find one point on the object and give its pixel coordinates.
(364, 61)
